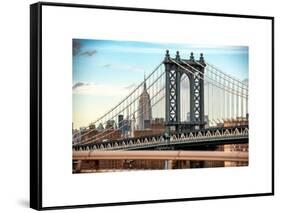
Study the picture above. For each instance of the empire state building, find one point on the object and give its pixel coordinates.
(144, 110)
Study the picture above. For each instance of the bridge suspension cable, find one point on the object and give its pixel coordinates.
(115, 111)
(136, 90)
(94, 139)
(99, 136)
(226, 85)
(234, 83)
(215, 83)
(221, 75)
(129, 115)
(221, 87)
(238, 85)
(229, 76)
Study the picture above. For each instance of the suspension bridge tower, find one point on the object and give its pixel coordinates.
(174, 69)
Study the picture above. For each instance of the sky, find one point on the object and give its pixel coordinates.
(105, 71)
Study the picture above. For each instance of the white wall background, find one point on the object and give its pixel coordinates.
(14, 107)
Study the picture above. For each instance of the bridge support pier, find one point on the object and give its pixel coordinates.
(168, 164)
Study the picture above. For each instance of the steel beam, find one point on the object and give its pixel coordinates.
(161, 155)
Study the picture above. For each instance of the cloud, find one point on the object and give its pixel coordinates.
(131, 86)
(124, 67)
(79, 84)
(184, 49)
(103, 90)
(107, 66)
(79, 49)
(89, 52)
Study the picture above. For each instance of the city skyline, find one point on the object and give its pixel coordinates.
(122, 64)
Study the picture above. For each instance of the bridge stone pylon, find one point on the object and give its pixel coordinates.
(174, 69)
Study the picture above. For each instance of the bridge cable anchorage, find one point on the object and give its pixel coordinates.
(92, 141)
(229, 89)
(122, 101)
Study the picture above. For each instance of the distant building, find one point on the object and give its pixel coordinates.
(95, 135)
(144, 110)
(110, 124)
(76, 136)
(124, 125)
(100, 127)
(239, 121)
(157, 127)
(92, 126)
(120, 121)
(158, 124)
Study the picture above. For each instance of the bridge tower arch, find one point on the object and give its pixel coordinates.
(174, 69)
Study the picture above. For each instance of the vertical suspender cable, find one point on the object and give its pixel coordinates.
(232, 102)
(212, 99)
(223, 102)
(242, 102)
(220, 100)
(228, 103)
(237, 103)
(207, 92)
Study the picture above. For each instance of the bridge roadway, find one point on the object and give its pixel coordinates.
(183, 140)
(161, 155)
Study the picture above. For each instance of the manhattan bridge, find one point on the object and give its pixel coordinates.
(201, 106)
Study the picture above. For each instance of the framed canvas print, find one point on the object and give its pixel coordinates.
(135, 105)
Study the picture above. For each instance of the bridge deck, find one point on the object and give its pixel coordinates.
(202, 137)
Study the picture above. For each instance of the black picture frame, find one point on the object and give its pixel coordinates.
(36, 103)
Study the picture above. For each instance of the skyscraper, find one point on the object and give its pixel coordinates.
(144, 110)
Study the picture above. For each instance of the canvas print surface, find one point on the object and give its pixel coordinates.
(153, 106)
